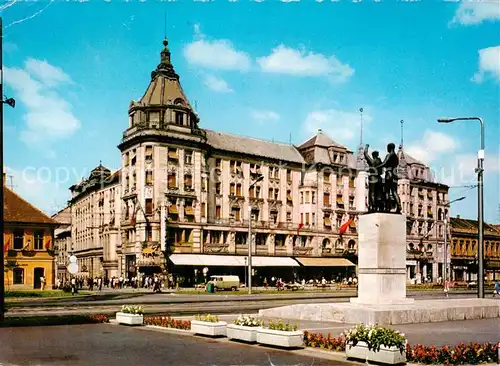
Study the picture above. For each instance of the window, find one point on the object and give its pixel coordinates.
(217, 212)
(218, 188)
(172, 154)
(255, 215)
(232, 189)
(179, 118)
(38, 236)
(235, 211)
(326, 177)
(149, 206)
(301, 218)
(274, 217)
(203, 209)
(307, 218)
(18, 277)
(289, 175)
(238, 189)
(271, 193)
(172, 180)
(289, 196)
(326, 199)
(134, 160)
(188, 181)
(351, 182)
(149, 177)
(257, 192)
(188, 157)
(218, 163)
(127, 183)
(149, 153)
(232, 166)
(18, 239)
(126, 159)
(301, 197)
(134, 182)
(277, 194)
(307, 197)
(288, 216)
(313, 219)
(252, 192)
(149, 234)
(313, 197)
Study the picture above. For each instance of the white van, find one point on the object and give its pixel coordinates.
(222, 283)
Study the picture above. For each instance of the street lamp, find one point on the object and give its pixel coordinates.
(480, 208)
(250, 234)
(445, 269)
(12, 103)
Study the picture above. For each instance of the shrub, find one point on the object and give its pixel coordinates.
(284, 327)
(31, 321)
(248, 321)
(207, 318)
(167, 322)
(132, 309)
(318, 340)
(375, 336)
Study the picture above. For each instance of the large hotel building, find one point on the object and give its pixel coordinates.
(184, 195)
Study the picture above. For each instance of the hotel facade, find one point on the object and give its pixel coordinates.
(183, 197)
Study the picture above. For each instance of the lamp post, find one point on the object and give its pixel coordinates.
(250, 235)
(445, 269)
(480, 199)
(11, 102)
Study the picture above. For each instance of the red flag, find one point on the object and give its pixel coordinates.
(344, 227)
(301, 225)
(132, 217)
(6, 246)
(47, 244)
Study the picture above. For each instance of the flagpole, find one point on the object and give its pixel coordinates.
(2, 255)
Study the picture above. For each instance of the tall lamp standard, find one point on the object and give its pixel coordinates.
(480, 199)
(445, 269)
(250, 234)
(11, 102)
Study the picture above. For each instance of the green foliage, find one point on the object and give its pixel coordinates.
(285, 327)
(376, 336)
(132, 309)
(207, 318)
(31, 321)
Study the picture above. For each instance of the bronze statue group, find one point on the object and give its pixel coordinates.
(383, 191)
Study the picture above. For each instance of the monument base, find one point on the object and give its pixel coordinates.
(421, 311)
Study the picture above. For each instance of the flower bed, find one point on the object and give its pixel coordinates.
(244, 328)
(167, 322)
(31, 321)
(472, 354)
(208, 325)
(281, 335)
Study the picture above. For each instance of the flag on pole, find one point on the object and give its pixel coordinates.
(47, 244)
(132, 217)
(344, 227)
(6, 246)
(301, 225)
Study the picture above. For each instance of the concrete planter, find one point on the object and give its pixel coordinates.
(129, 319)
(242, 332)
(208, 328)
(386, 355)
(279, 338)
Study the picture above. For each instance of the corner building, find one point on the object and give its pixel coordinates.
(187, 195)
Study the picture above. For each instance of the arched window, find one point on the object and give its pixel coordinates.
(326, 243)
(411, 246)
(351, 244)
(440, 214)
(429, 248)
(179, 101)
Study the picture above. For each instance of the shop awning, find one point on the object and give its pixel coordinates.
(230, 260)
(325, 262)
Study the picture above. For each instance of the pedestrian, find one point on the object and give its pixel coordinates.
(42, 283)
(496, 291)
(265, 283)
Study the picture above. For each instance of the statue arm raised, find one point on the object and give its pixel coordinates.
(367, 157)
(384, 163)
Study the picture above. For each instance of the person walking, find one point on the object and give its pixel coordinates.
(496, 291)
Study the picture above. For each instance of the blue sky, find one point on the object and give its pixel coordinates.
(266, 69)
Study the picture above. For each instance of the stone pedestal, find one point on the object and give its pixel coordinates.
(381, 260)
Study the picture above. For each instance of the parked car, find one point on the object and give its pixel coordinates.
(222, 283)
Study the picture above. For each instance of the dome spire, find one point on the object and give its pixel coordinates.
(165, 66)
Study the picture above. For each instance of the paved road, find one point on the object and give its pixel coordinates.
(188, 304)
(105, 344)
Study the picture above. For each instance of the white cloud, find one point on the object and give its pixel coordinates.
(290, 61)
(217, 84)
(48, 115)
(339, 125)
(431, 145)
(475, 12)
(217, 54)
(489, 63)
(262, 116)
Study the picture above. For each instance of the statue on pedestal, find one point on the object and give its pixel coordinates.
(383, 192)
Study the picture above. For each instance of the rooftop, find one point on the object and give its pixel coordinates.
(18, 210)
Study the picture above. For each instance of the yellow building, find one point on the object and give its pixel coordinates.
(28, 244)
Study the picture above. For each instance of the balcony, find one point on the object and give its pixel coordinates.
(216, 248)
(302, 251)
(150, 262)
(182, 247)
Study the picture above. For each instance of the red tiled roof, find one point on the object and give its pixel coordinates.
(17, 210)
